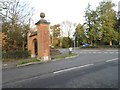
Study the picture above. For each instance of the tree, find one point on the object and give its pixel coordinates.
(92, 25)
(107, 21)
(118, 29)
(68, 29)
(55, 29)
(66, 42)
(16, 21)
(79, 34)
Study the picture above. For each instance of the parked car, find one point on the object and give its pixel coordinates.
(86, 45)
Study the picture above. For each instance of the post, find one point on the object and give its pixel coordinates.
(74, 42)
(118, 35)
(43, 38)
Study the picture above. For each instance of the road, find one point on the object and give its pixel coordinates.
(91, 69)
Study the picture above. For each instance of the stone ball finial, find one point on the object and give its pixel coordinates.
(42, 14)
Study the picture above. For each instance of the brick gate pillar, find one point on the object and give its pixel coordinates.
(43, 38)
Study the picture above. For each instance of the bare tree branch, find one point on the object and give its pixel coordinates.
(68, 28)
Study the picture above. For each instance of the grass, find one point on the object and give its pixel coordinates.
(65, 55)
(25, 62)
(57, 57)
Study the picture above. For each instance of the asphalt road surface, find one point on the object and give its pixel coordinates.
(91, 69)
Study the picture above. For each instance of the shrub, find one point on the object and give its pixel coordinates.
(54, 52)
(90, 47)
(102, 46)
(108, 46)
(15, 54)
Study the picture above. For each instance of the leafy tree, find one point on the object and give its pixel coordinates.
(107, 21)
(66, 42)
(16, 21)
(118, 28)
(92, 25)
(14, 40)
(55, 29)
(79, 34)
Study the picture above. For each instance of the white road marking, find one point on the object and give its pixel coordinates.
(111, 52)
(72, 68)
(90, 50)
(96, 52)
(112, 60)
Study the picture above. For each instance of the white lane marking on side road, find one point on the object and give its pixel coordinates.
(72, 68)
(111, 52)
(112, 60)
(99, 52)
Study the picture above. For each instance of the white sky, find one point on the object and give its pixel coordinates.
(57, 11)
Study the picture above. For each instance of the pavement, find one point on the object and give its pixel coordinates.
(13, 64)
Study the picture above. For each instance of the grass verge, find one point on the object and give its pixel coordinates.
(25, 62)
(36, 60)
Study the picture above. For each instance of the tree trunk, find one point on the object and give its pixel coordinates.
(23, 46)
(91, 42)
(61, 42)
(110, 43)
(52, 39)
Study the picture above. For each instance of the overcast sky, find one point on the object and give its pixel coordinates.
(57, 11)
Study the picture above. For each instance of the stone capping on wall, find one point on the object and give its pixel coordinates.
(42, 21)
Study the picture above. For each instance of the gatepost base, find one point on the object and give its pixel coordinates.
(45, 58)
(32, 55)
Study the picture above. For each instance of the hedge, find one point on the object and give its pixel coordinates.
(103, 46)
(15, 54)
